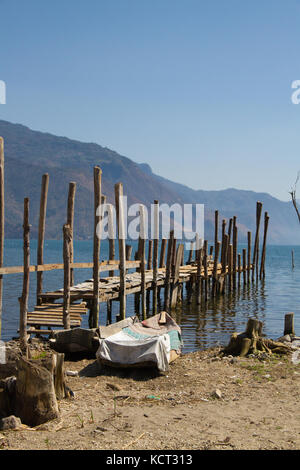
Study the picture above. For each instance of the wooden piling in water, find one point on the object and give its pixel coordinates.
(230, 260)
(67, 237)
(256, 241)
(215, 270)
(176, 276)
(216, 230)
(249, 256)
(94, 311)
(199, 278)
(1, 223)
(263, 255)
(70, 222)
(26, 264)
(155, 256)
(205, 270)
(142, 255)
(289, 324)
(239, 267)
(150, 251)
(41, 234)
(162, 263)
(234, 251)
(244, 266)
(167, 291)
(122, 255)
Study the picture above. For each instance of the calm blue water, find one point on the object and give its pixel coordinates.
(202, 326)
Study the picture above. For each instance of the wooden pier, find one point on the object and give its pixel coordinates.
(210, 271)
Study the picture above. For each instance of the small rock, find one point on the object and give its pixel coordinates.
(217, 394)
(234, 360)
(214, 359)
(10, 422)
(72, 373)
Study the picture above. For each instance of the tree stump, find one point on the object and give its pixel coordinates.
(252, 342)
(35, 398)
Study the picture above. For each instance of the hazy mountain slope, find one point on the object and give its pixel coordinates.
(29, 154)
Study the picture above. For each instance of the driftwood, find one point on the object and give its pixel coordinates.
(252, 342)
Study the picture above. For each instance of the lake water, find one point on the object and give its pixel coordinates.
(206, 325)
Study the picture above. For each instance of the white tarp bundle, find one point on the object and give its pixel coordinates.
(124, 349)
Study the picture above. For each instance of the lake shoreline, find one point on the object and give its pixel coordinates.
(203, 402)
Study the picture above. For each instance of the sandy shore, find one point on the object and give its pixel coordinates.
(203, 402)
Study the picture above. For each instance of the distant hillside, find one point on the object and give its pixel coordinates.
(29, 154)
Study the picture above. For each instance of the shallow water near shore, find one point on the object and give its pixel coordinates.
(206, 325)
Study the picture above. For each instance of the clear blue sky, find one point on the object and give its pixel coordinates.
(200, 90)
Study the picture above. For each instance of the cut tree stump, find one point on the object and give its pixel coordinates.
(35, 398)
(252, 342)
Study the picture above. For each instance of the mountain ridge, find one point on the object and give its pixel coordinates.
(29, 154)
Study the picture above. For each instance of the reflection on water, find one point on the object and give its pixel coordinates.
(204, 325)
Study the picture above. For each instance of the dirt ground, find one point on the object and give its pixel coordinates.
(203, 402)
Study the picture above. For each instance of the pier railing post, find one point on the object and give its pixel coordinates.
(25, 292)
(168, 272)
(67, 275)
(122, 251)
(1, 222)
(70, 222)
(155, 255)
(41, 234)
(94, 312)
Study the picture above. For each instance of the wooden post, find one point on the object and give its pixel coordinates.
(216, 229)
(190, 258)
(293, 263)
(215, 269)
(230, 266)
(176, 275)
(234, 251)
(249, 257)
(199, 270)
(94, 314)
(1, 222)
(168, 272)
(244, 266)
(263, 255)
(223, 241)
(41, 235)
(150, 246)
(230, 230)
(67, 275)
(205, 270)
(256, 242)
(239, 267)
(289, 324)
(121, 237)
(70, 222)
(163, 247)
(25, 293)
(155, 255)
(142, 255)
(111, 234)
